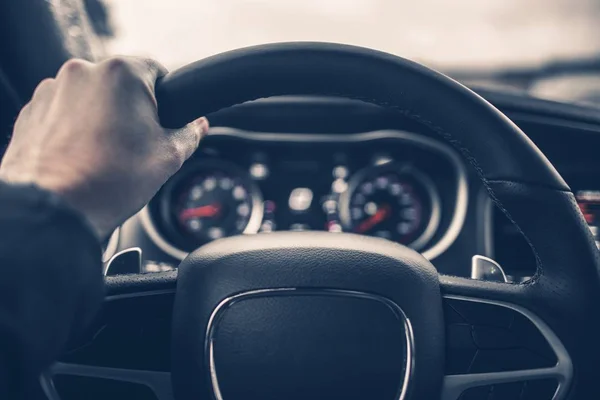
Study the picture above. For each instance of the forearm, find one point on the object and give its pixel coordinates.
(50, 280)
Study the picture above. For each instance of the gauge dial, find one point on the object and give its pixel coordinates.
(392, 202)
(210, 201)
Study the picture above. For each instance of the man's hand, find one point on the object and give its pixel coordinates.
(92, 135)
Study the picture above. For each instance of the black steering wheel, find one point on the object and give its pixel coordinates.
(324, 316)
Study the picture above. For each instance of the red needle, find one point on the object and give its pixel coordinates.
(209, 210)
(373, 220)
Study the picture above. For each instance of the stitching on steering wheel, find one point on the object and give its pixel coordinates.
(486, 183)
(466, 154)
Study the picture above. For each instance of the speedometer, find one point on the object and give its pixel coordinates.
(211, 200)
(393, 202)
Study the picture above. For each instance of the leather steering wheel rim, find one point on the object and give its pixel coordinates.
(518, 176)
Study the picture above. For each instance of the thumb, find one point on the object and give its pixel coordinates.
(187, 139)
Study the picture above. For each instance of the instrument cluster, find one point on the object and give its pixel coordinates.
(396, 185)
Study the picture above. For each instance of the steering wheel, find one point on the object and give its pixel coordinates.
(309, 315)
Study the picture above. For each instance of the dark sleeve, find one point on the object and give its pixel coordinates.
(50, 282)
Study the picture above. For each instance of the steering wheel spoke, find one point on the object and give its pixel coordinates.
(496, 345)
(159, 383)
(544, 380)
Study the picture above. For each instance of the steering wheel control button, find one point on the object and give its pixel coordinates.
(489, 337)
(541, 389)
(501, 391)
(476, 393)
(123, 338)
(459, 336)
(459, 360)
(366, 353)
(71, 387)
(506, 391)
(451, 316)
(483, 314)
(476, 342)
(460, 348)
(531, 338)
(498, 360)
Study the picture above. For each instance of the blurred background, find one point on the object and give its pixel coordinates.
(550, 48)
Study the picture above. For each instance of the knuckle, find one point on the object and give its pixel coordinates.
(46, 82)
(119, 67)
(124, 74)
(153, 67)
(73, 66)
(43, 86)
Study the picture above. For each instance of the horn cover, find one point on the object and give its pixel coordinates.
(307, 315)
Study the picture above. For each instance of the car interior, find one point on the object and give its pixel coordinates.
(355, 225)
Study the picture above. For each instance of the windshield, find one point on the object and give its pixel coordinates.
(458, 35)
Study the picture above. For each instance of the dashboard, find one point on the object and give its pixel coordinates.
(341, 165)
(393, 184)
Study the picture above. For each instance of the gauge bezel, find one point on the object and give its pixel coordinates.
(433, 197)
(457, 216)
(165, 203)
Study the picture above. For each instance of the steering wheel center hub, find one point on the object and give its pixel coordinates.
(301, 315)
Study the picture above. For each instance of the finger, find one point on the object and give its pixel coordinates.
(156, 71)
(73, 68)
(187, 139)
(45, 86)
(130, 74)
(43, 95)
(149, 70)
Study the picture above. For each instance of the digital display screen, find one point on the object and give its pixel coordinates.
(589, 203)
(300, 195)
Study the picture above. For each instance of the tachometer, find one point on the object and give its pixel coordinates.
(393, 202)
(211, 200)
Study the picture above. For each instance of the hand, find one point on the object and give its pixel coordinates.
(92, 135)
